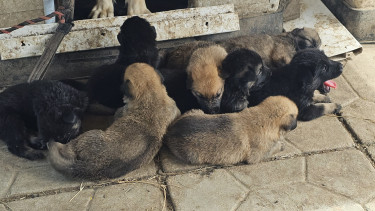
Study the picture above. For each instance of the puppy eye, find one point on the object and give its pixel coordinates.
(197, 94)
(324, 68)
(217, 95)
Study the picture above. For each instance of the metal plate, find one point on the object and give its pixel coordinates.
(337, 41)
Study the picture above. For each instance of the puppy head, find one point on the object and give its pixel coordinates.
(135, 29)
(305, 38)
(138, 42)
(59, 113)
(245, 69)
(204, 79)
(283, 111)
(140, 82)
(314, 68)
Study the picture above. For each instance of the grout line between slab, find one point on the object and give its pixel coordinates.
(357, 141)
(163, 180)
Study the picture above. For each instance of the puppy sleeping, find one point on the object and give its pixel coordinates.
(275, 50)
(248, 136)
(131, 141)
(50, 110)
(298, 81)
(244, 72)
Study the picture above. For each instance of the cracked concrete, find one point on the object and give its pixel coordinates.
(327, 164)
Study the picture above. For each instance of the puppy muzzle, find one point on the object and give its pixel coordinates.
(210, 106)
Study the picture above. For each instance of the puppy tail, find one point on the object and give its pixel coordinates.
(61, 157)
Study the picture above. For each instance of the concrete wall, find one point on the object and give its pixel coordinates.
(13, 12)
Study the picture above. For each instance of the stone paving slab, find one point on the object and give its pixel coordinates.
(8, 159)
(343, 94)
(130, 196)
(360, 73)
(40, 179)
(298, 196)
(2, 208)
(370, 205)
(62, 201)
(7, 175)
(216, 190)
(371, 151)
(324, 133)
(270, 173)
(348, 172)
(360, 116)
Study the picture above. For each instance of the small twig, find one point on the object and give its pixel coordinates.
(80, 189)
(348, 116)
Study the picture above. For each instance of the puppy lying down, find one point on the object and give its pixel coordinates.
(298, 81)
(250, 135)
(131, 141)
(49, 110)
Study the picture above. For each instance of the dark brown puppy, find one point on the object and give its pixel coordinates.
(131, 141)
(250, 135)
(275, 50)
(245, 72)
(298, 81)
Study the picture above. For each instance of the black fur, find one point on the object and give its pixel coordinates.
(244, 71)
(50, 110)
(138, 44)
(298, 80)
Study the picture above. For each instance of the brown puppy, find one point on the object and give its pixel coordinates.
(131, 141)
(178, 58)
(275, 50)
(204, 77)
(250, 135)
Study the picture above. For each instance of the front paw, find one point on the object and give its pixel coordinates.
(337, 109)
(38, 143)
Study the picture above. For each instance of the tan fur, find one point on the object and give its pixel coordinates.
(250, 135)
(275, 50)
(178, 58)
(131, 141)
(204, 70)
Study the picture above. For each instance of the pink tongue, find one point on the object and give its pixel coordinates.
(330, 83)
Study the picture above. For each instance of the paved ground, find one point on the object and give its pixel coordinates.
(328, 163)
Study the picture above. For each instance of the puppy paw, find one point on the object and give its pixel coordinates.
(320, 98)
(102, 9)
(338, 108)
(38, 143)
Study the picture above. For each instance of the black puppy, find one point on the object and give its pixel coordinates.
(49, 109)
(245, 72)
(138, 44)
(298, 80)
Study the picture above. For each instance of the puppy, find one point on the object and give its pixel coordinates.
(105, 8)
(204, 79)
(138, 44)
(245, 72)
(50, 110)
(223, 139)
(275, 50)
(199, 82)
(179, 57)
(298, 80)
(131, 141)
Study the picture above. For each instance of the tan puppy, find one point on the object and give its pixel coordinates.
(204, 77)
(131, 141)
(104, 8)
(275, 50)
(250, 135)
(178, 58)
